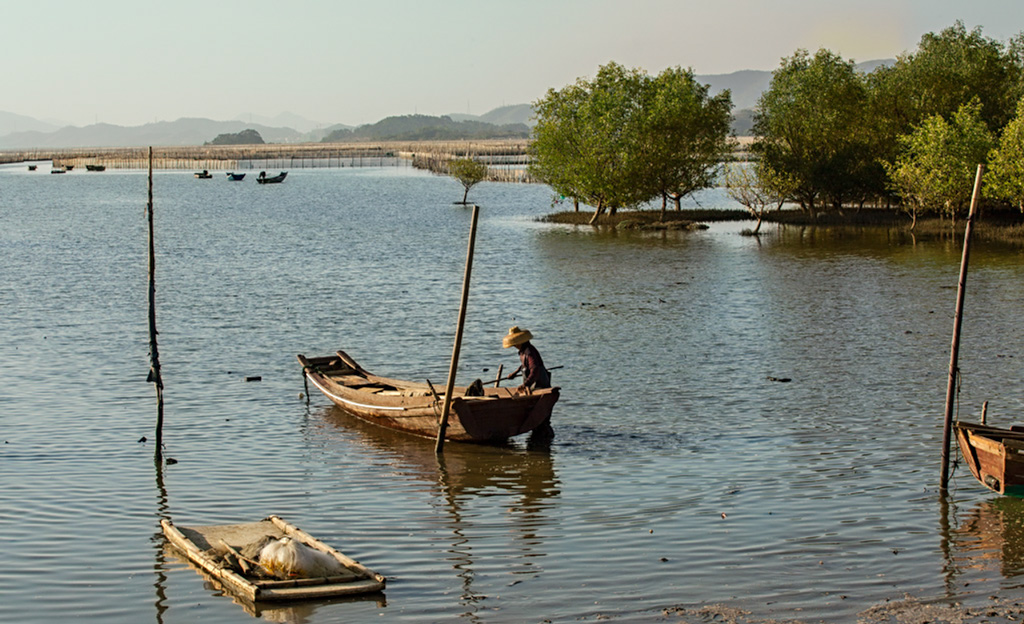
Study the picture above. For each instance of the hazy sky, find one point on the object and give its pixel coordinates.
(336, 61)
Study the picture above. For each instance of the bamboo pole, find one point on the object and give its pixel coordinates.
(154, 355)
(443, 426)
(954, 351)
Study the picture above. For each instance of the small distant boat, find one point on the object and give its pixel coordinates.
(263, 179)
(235, 176)
(69, 167)
(489, 415)
(60, 170)
(204, 175)
(32, 167)
(95, 168)
(226, 552)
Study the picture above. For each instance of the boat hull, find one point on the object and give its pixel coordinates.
(262, 179)
(995, 456)
(500, 414)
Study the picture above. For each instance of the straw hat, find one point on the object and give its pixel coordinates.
(516, 337)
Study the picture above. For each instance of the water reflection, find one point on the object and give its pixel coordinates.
(991, 536)
(524, 475)
(159, 540)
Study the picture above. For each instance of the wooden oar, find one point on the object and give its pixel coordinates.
(517, 374)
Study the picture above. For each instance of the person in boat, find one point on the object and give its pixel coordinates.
(535, 376)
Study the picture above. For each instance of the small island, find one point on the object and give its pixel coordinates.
(245, 137)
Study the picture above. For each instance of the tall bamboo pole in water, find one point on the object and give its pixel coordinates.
(954, 351)
(443, 426)
(154, 355)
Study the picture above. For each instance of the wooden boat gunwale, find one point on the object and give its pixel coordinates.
(367, 580)
(994, 455)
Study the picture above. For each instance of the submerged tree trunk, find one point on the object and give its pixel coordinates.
(664, 205)
(576, 204)
(597, 213)
(465, 195)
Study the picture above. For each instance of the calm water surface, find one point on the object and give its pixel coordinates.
(682, 485)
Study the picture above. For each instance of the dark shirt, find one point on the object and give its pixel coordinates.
(534, 373)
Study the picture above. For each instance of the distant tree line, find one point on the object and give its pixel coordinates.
(907, 136)
(427, 128)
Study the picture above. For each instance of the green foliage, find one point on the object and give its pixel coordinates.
(427, 128)
(586, 140)
(1005, 178)
(831, 130)
(625, 138)
(948, 70)
(468, 172)
(938, 163)
(810, 126)
(245, 137)
(686, 133)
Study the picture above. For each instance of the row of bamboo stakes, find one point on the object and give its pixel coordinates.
(508, 160)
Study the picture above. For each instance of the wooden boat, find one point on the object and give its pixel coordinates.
(207, 547)
(95, 168)
(994, 455)
(59, 170)
(32, 167)
(495, 415)
(235, 176)
(263, 179)
(203, 175)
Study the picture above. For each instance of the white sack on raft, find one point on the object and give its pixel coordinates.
(288, 558)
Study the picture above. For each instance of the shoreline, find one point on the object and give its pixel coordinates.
(1000, 226)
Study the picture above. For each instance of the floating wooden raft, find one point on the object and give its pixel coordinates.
(203, 545)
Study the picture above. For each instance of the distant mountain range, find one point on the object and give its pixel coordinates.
(22, 132)
(429, 128)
